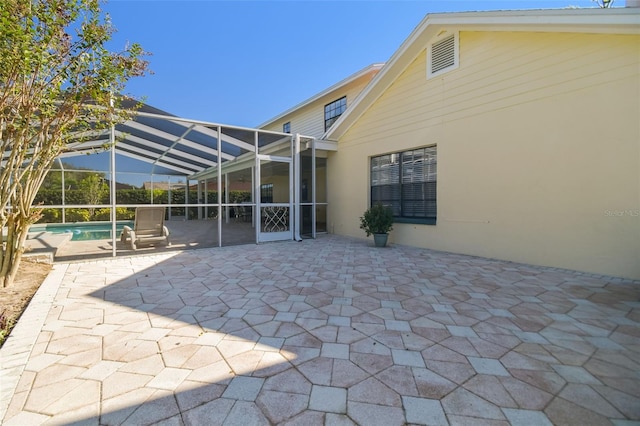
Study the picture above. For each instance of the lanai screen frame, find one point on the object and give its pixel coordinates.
(156, 145)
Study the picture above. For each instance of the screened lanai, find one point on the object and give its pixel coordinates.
(220, 184)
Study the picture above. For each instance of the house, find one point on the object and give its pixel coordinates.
(329, 104)
(512, 135)
(164, 186)
(312, 118)
(509, 134)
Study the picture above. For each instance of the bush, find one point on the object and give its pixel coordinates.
(77, 215)
(102, 214)
(237, 197)
(138, 196)
(377, 220)
(122, 213)
(71, 196)
(50, 216)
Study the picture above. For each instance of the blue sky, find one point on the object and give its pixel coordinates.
(243, 62)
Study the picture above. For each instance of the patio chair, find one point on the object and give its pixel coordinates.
(148, 228)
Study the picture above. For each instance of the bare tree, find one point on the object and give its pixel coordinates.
(57, 80)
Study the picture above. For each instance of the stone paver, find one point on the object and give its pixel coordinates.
(327, 331)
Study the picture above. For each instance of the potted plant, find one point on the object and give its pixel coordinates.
(377, 220)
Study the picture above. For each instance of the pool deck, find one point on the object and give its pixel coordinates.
(184, 235)
(44, 245)
(326, 331)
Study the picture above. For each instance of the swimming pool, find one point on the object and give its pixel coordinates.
(82, 231)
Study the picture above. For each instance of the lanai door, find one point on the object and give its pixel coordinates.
(275, 198)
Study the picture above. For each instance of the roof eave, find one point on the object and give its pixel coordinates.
(363, 72)
(593, 20)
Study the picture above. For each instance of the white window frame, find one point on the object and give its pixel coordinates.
(456, 60)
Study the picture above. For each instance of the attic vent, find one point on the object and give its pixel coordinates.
(442, 55)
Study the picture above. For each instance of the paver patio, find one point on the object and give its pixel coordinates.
(326, 331)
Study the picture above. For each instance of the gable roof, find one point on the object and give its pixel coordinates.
(594, 20)
(371, 69)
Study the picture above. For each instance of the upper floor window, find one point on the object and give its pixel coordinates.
(334, 110)
(286, 127)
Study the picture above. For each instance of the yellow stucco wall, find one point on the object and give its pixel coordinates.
(538, 138)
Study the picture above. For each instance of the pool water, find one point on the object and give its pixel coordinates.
(82, 231)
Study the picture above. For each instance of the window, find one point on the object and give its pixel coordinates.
(442, 54)
(266, 193)
(334, 110)
(286, 127)
(406, 181)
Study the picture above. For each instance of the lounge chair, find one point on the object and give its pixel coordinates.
(148, 228)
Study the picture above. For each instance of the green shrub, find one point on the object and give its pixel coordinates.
(50, 216)
(122, 213)
(102, 214)
(77, 215)
(377, 220)
(48, 197)
(125, 213)
(137, 196)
